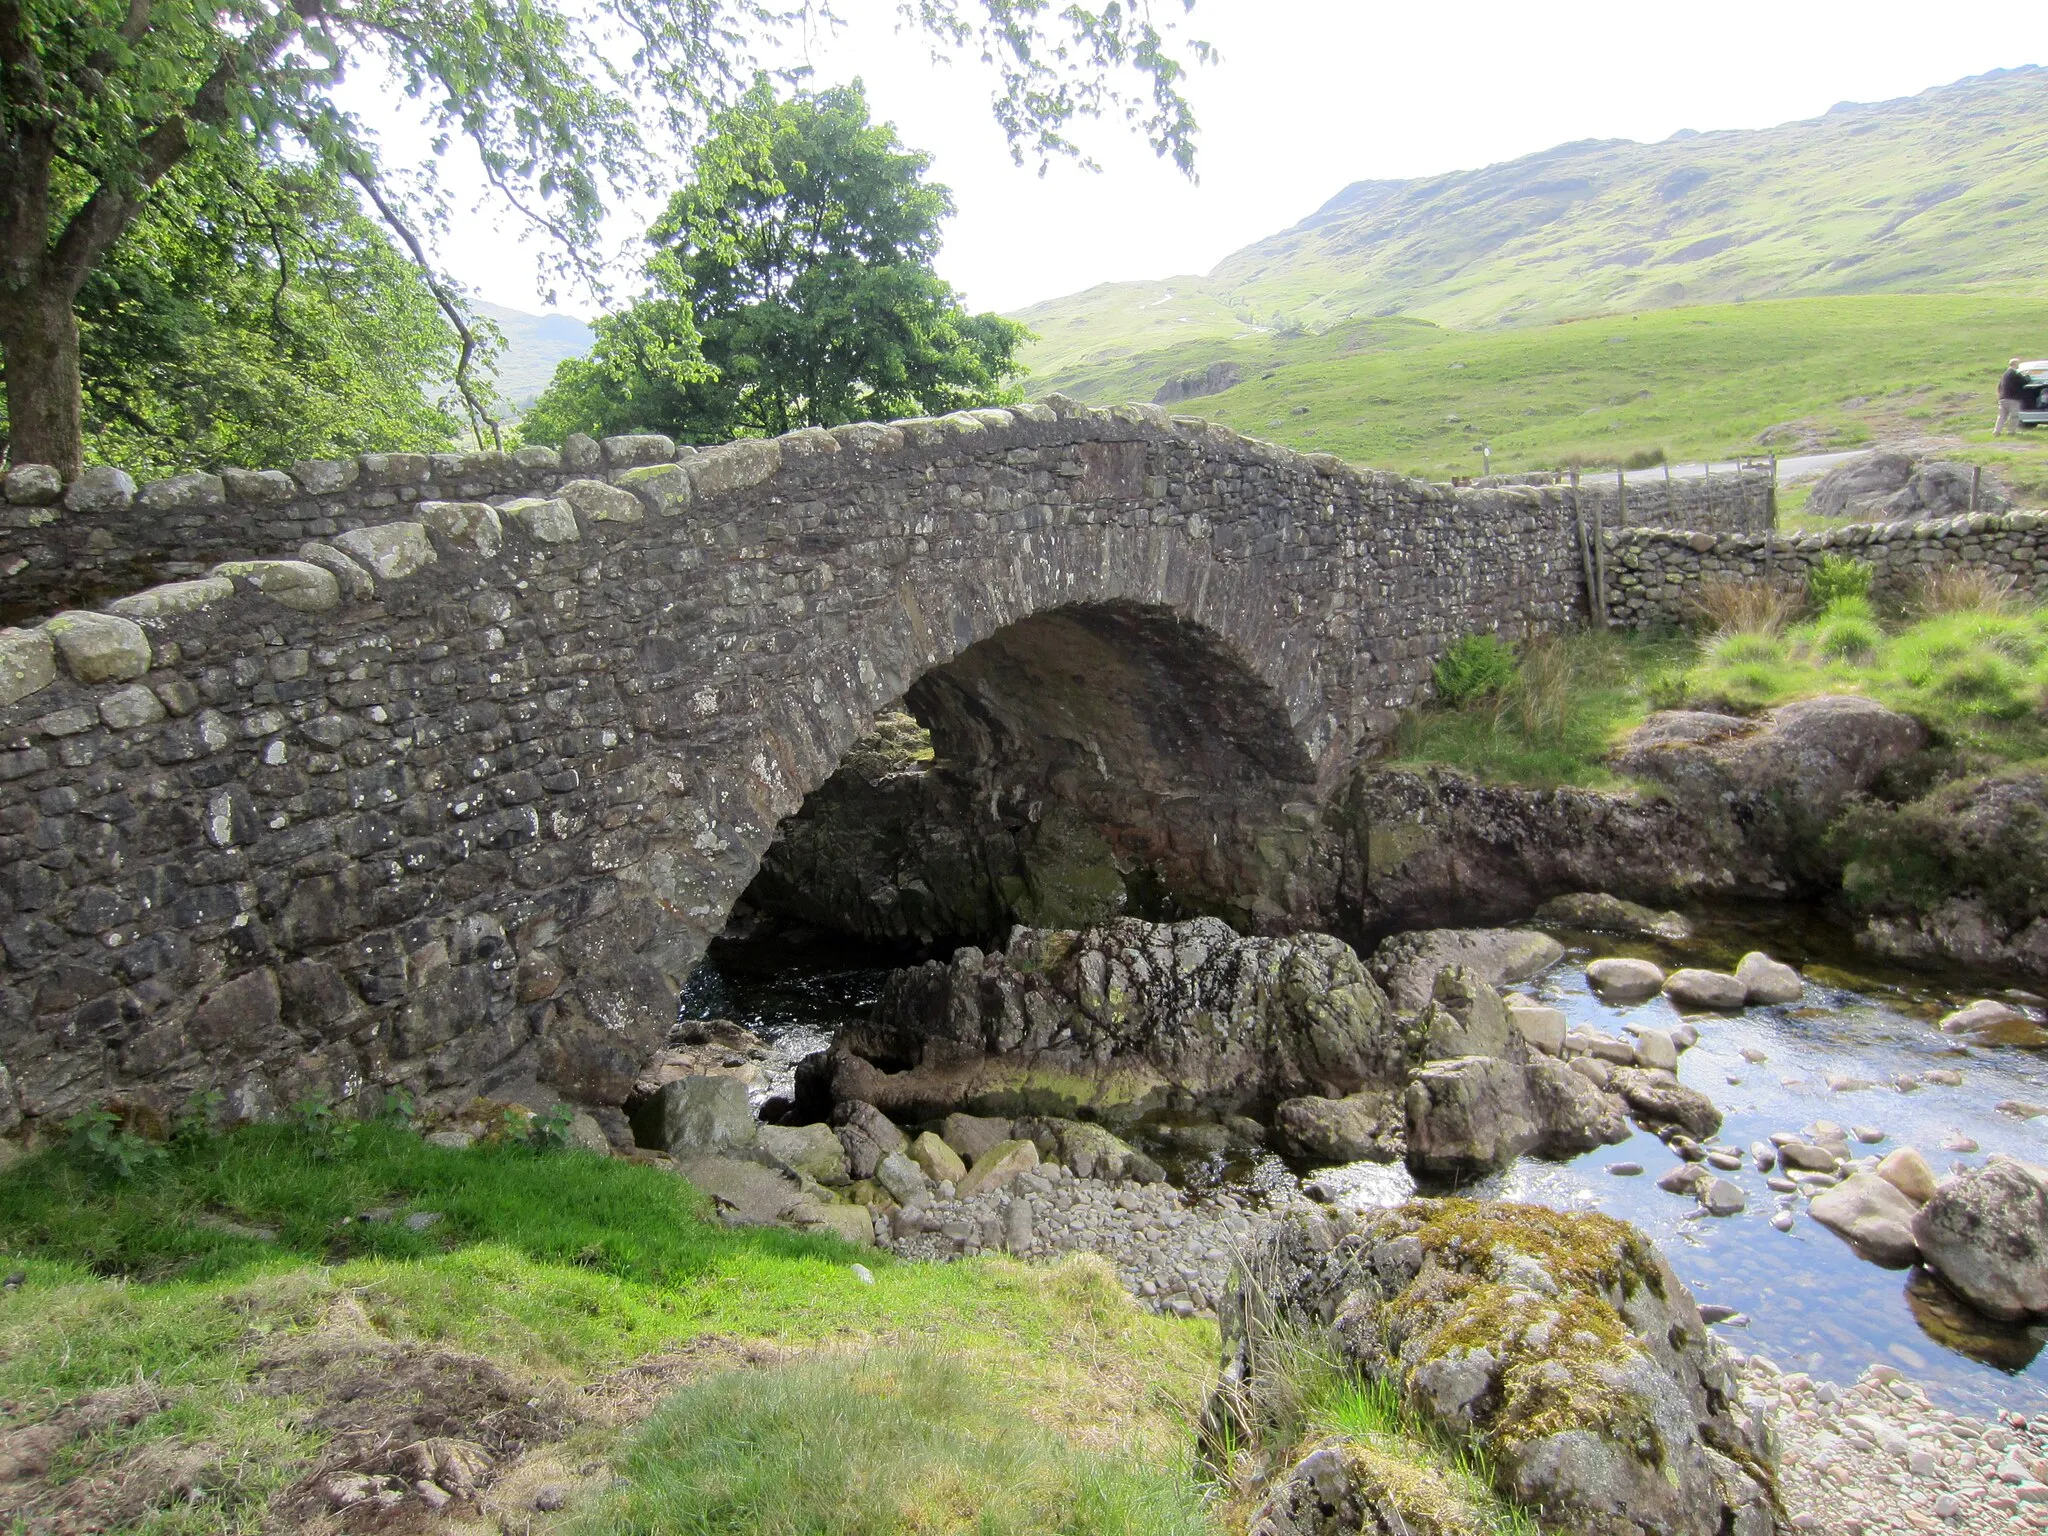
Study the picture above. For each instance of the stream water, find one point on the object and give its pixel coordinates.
(1810, 1303)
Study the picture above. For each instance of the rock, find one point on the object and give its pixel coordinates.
(972, 1135)
(99, 647)
(32, 485)
(1896, 487)
(1618, 979)
(452, 1141)
(586, 1133)
(28, 664)
(1370, 1127)
(1345, 1487)
(1465, 1017)
(601, 503)
(1694, 988)
(1685, 1179)
(1765, 980)
(1604, 1404)
(744, 1193)
(100, 489)
(1089, 1150)
(546, 519)
(1541, 1029)
(1807, 1157)
(1984, 1014)
(1660, 1100)
(1872, 1217)
(1572, 1114)
(1625, 1170)
(702, 1116)
(1121, 1019)
(997, 1167)
(1723, 1197)
(1655, 1048)
(1468, 1117)
(867, 1135)
(810, 1151)
(1986, 1234)
(938, 1160)
(1591, 913)
(1407, 964)
(902, 1178)
(1908, 1172)
(390, 551)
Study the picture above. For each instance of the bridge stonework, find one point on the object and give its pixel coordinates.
(455, 800)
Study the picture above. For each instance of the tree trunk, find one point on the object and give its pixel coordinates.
(45, 403)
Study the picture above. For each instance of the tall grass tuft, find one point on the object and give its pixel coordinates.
(1961, 589)
(1744, 607)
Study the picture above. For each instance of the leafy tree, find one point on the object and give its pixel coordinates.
(791, 286)
(253, 316)
(100, 100)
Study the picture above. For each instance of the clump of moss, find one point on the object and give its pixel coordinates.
(1582, 1251)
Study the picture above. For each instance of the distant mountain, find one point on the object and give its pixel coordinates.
(534, 344)
(1930, 193)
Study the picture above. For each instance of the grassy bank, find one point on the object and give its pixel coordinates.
(1802, 375)
(1961, 654)
(196, 1346)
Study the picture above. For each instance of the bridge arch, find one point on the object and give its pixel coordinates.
(447, 771)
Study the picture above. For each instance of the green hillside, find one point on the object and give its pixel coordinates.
(1851, 276)
(534, 344)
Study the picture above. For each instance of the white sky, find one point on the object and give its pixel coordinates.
(1310, 95)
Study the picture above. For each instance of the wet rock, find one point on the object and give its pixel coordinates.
(1468, 1117)
(1542, 1029)
(1619, 979)
(1723, 1197)
(1572, 1115)
(1987, 1020)
(1806, 1157)
(706, 1116)
(1408, 964)
(1121, 1019)
(1908, 1172)
(1466, 1017)
(1594, 913)
(1563, 1343)
(1362, 1127)
(1655, 1048)
(1695, 988)
(1685, 1179)
(1872, 1217)
(1765, 980)
(1658, 1099)
(1986, 1234)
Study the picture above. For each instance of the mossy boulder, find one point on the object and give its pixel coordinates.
(1560, 1344)
(1344, 1489)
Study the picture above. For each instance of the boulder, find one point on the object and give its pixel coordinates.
(1363, 1127)
(1350, 1488)
(1595, 913)
(996, 1167)
(1908, 1172)
(742, 1192)
(1619, 979)
(812, 1151)
(867, 1135)
(972, 1135)
(1089, 1150)
(1805, 1157)
(1695, 988)
(1542, 1029)
(1658, 1099)
(1572, 1114)
(1985, 1015)
(849, 1223)
(1896, 487)
(1468, 1117)
(706, 1116)
(1563, 1344)
(1407, 964)
(1869, 1214)
(1112, 1022)
(1655, 1048)
(1765, 980)
(1466, 1017)
(1986, 1234)
(900, 1175)
(938, 1160)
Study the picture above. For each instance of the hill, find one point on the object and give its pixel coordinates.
(534, 344)
(1941, 193)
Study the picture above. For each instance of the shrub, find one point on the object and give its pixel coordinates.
(1474, 667)
(1744, 607)
(1837, 577)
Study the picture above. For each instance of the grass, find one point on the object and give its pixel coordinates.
(1803, 375)
(875, 1444)
(1570, 699)
(555, 1269)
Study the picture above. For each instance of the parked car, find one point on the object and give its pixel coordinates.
(2034, 403)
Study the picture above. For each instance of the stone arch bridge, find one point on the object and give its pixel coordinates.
(443, 772)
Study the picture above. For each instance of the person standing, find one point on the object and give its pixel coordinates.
(2012, 388)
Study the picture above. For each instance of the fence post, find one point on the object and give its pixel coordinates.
(1670, 499)
(1771, 506)
(1595, 608)
(1976, 479)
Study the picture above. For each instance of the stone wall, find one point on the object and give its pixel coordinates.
(1736, 502)
(1654, 577)
(453, 794)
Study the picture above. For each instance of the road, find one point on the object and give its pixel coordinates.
(1805, 466)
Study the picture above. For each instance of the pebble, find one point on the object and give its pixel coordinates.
(1869, 1135)
(1624, 1170)
(1782, 1221)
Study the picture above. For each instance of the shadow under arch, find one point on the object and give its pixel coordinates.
(1089, 759)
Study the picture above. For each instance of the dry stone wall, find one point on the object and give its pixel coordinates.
(449, 790)
(1743, 501)
(1655, 576)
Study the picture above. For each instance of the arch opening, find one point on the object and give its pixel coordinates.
(1084, 762)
